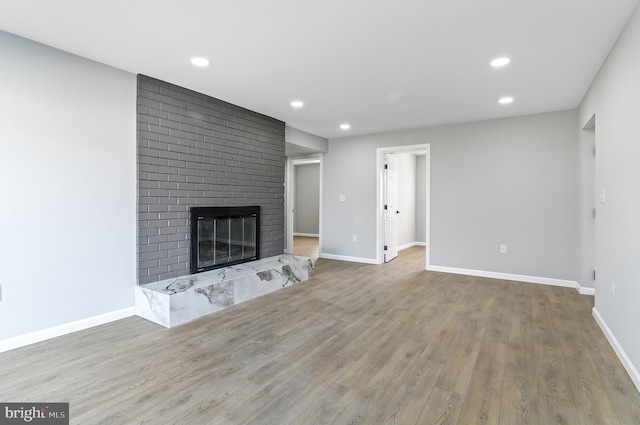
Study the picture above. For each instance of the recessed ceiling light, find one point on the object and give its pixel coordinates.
(202, 62)
(297, 104)
(345, 126)
(505, 100)
(496, 63)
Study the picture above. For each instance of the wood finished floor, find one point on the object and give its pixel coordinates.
(305, 246)
(364, 344)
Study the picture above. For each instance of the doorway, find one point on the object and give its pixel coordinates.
(303, 204)
(420, 197)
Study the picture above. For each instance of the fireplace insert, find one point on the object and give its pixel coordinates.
(223, 236)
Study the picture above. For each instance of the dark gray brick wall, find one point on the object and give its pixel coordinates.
(195, 150)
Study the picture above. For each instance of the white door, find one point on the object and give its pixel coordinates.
(390, 207)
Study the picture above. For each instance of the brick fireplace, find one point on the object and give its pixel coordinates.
(196, 151)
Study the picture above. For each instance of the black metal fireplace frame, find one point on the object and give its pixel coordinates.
(199, 213)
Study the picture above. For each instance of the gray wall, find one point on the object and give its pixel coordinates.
(509, 181)
(300, 142)
(614, 97)
(406, 198)
(421, 209)
(67, 178)
(194, 150)
(307, 199)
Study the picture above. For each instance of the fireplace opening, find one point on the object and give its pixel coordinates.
(223, 236)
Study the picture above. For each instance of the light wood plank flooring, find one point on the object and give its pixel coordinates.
(305, 246)
(390, 344)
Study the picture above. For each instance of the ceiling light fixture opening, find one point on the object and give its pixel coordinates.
(505, 100)
(345, 126)
(201, 62)
(297, 104)
(497, 63)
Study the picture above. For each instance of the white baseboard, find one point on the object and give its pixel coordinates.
(509, 276)
(585, 290)
(624, 359)
(307, 235)
(347, 258)
(410, 244)
(67, 328)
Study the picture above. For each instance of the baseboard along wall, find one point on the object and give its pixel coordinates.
(516, 277)
(624, 359)
(67, 328)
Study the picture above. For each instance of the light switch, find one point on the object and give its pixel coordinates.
(602, 197)
(503, 249)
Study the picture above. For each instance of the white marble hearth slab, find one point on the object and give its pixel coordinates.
(175, 301)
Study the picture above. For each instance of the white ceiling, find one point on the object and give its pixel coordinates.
(377, 64)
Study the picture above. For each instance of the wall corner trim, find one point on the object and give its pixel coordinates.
(411, 244)
(67, 328)
(624, 359)
(585, 290)
(347, 258)
(509, 276)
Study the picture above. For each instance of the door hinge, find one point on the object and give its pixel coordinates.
(385, 247)
(386, 206)
(386, 166)
(594, 275)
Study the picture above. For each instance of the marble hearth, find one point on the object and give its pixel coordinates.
(175, 301)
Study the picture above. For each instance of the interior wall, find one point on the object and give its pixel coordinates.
(614, 98)
(68, 182)
(300, 142)
(307, 199)
(508, 181)
(406, 198)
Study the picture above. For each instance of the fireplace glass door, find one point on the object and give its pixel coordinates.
(225, 240)
(230, 238)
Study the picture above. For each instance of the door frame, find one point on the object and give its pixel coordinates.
(588, 202)
(289, 201)
(390, 190)
(380, 153)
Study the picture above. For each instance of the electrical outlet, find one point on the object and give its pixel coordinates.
(503, 249)
(355, 238)
(613, 290)
(342, 198)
